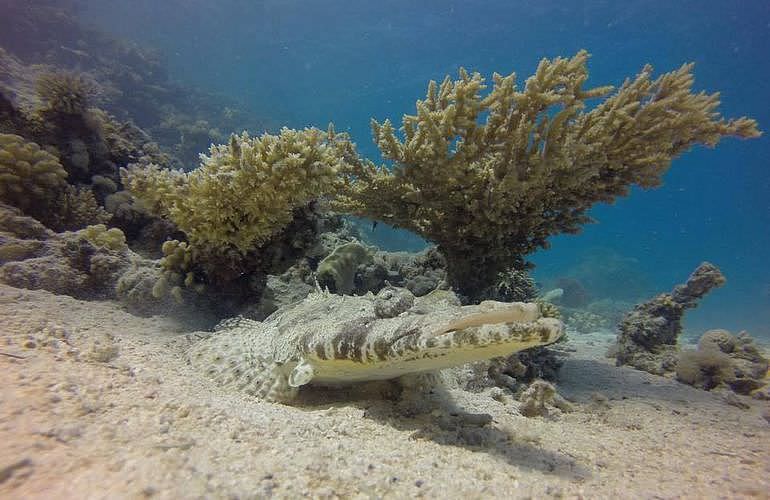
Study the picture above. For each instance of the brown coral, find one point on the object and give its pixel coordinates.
(76, 208)
(245, 191)
(31, 178)
(489, 178)
(65, 92)
(28, 175)
(704, 368)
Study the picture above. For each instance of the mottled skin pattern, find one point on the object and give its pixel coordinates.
(333, 339)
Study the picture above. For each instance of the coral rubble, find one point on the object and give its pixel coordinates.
(489, 178)
(538, 397)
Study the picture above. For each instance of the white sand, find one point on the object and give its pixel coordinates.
(115, 412)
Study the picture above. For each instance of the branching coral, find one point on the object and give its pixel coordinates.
(65, 92)
(490, 178)
(177, 264)
(76, 207)
(102, 237)
(33, 180)
(513, 285)
(29, 176)
(244, 192)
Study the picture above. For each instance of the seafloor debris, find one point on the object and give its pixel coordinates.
(538, 397)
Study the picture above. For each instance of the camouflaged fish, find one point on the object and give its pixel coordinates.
(332, 339)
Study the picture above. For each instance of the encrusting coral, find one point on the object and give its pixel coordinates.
(489, 178)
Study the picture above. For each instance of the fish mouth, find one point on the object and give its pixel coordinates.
(475, 343)
(493, 329)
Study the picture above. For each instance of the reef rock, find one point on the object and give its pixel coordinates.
(647, 337)
(83, 264)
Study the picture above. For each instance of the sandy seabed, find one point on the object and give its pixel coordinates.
(97, 403)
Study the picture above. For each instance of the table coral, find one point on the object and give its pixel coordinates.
(489, 178)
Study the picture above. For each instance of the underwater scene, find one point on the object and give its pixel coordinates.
(384, 249)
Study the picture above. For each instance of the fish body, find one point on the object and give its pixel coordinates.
(329, 339)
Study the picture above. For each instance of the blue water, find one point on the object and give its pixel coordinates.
(308, 62)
